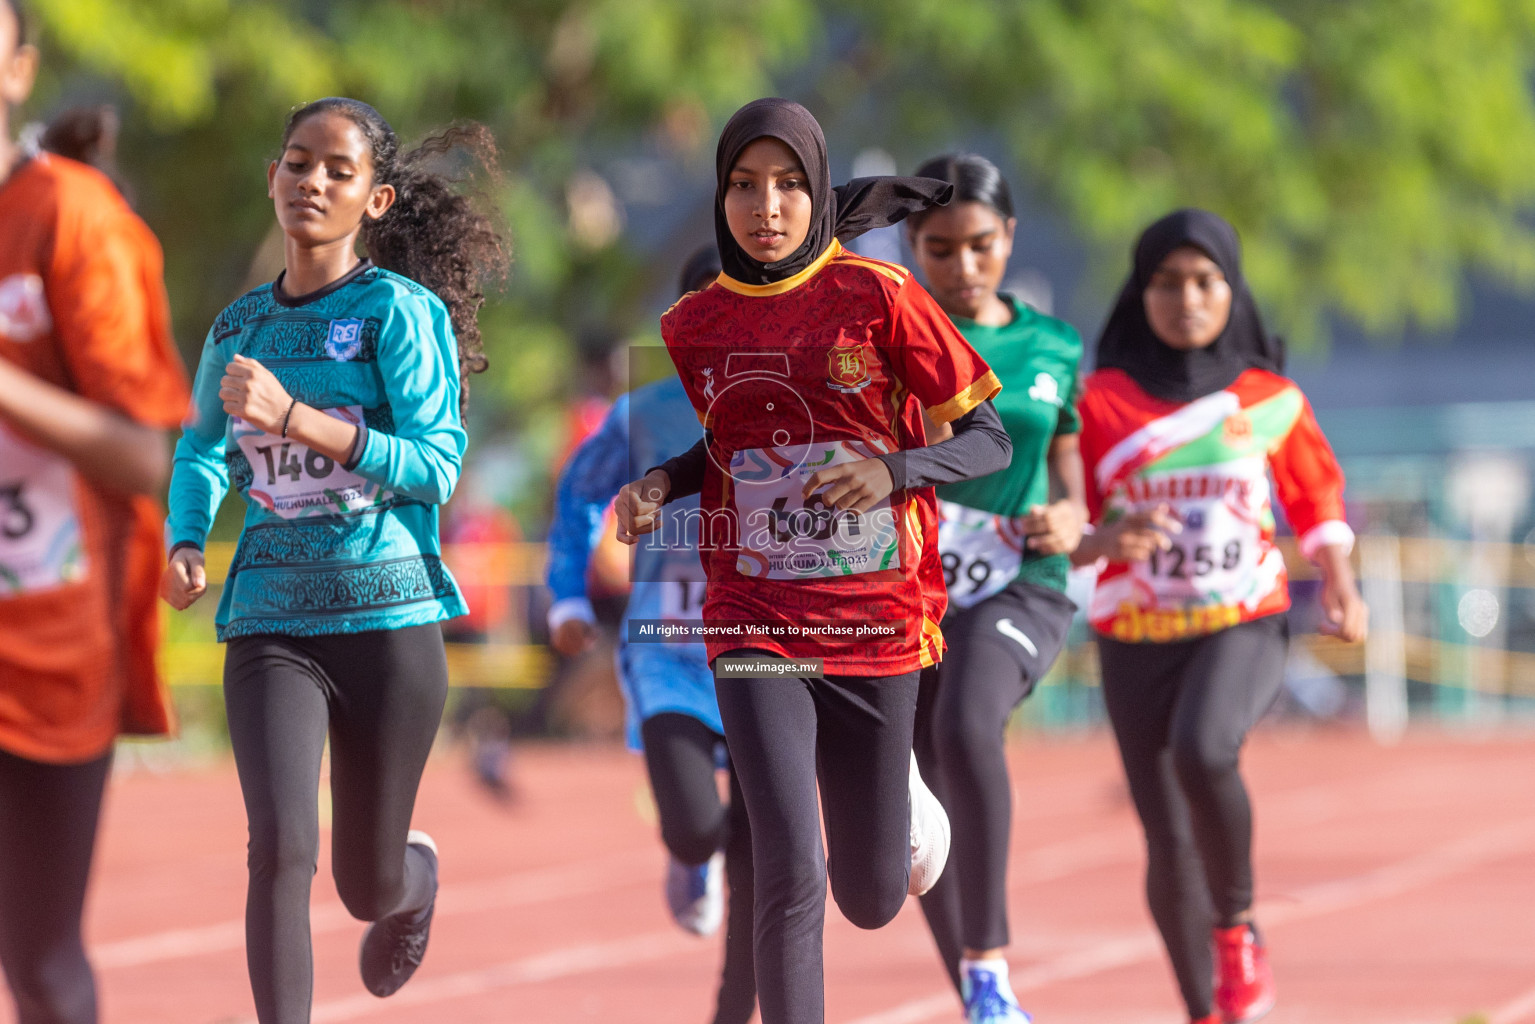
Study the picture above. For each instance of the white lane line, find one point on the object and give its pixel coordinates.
(560, 963)
(520, 889)
(1517, 1011)
(1312, 901)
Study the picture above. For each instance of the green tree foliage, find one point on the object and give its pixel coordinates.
(1373, 153)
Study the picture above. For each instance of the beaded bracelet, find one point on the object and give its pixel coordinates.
(287, 416)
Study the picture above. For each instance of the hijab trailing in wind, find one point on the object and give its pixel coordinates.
(844, 213)
(1128, 343)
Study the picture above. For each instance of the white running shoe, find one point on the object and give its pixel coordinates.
(929, 834)
(988, 994)
(696, 894)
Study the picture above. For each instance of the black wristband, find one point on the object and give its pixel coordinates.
(183, 544)
(287, 416)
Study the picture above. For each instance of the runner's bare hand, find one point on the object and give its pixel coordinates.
(1344, 613)
(853, 485)
(1133, 537)
(185, 579)
(573, 637)
(251, 392)
(1055, 528)
(638, 505)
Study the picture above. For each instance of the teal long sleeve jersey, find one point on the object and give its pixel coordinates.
(329, 547)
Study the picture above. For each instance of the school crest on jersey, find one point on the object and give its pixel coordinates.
(344, 340)
(24, 312)
(847, 369)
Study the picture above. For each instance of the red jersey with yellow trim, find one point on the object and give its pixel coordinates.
(832, 365)
(82, 306)
(1210, 460)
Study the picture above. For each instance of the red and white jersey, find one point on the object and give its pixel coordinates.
(832, 365)
(1210, 460)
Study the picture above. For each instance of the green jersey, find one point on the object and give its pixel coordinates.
(1035, 356)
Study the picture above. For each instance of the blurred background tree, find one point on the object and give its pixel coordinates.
(1374, 154)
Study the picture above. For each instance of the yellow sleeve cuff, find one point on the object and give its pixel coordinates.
(984, 387)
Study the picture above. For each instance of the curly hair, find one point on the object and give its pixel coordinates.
(435, 233)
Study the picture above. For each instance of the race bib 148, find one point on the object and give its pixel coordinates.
(293, 480)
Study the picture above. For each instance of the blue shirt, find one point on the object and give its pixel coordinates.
(644, 428)
(330, 548)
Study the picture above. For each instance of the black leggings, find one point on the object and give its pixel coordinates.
(680, 754)
(1181, 712)
(48, 816)
(854, 735)
(998, 651)
(379, 697)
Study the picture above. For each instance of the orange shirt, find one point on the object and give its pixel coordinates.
(83, 306)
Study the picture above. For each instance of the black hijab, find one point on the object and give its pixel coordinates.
(1128, 342)
(844, 213)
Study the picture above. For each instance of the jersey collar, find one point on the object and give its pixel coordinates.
(759, 291)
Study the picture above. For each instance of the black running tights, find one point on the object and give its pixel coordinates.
(998, 651)
(680, 755)
(854, 734)
(1181, 712)
(48, 816)
(379, 697)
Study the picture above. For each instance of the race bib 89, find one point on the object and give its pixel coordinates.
(40, 540)
(786, 537)
(293, 480)
(981, 552)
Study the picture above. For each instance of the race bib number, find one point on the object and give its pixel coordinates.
(1217, 557)
(981, 552)
(40, 539)
(682, 601)
(786, 537)
(293, 480)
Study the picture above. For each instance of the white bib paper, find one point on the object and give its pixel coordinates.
(1216, 557)
(981, 552)
(40, 541)
(293, 480)
(785, 537)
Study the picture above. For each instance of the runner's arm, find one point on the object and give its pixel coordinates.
(979, 447)
(199, 475)
(103, 444)
(418, 358)
(686, 471)
(590, 479)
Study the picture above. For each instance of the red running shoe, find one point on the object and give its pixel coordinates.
(1244, 983)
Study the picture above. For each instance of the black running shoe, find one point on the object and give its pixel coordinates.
(393, 948)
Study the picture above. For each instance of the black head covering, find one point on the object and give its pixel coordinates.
(1128, 342)
(844, 213)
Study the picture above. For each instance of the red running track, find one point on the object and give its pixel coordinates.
(1396, 886)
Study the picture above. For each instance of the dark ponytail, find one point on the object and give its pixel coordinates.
(975, 180)
(86, 134)
(434, 233)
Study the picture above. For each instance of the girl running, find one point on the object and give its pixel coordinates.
(810, 368)
(1004, 542)
(668, 688)
(1183, 424)
(332, 399)
(90, 383)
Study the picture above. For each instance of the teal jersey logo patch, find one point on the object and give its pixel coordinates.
(344, 340)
